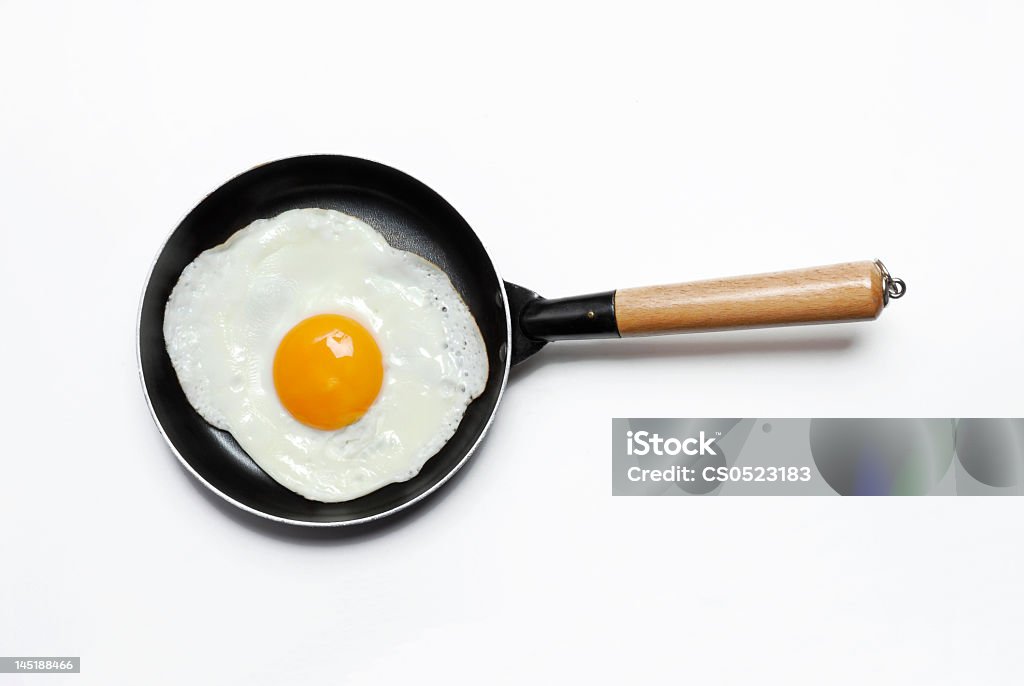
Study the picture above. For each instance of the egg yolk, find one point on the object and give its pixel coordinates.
(328, 371)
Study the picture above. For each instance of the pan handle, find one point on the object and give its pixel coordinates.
(843, 292)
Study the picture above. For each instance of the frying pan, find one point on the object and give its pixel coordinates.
(515, 322)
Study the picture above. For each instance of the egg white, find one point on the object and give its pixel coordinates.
(233, 304)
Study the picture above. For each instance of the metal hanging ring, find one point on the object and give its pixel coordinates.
(891, 288)
(897, 287)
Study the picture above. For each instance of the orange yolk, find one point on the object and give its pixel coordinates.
(328, 371)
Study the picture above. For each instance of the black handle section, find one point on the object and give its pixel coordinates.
(559, 319)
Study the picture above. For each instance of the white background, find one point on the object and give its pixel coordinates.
(591, 147)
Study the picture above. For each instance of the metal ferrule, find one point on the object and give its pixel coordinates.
(578, 317)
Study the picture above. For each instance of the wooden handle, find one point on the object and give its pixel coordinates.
(841, 292)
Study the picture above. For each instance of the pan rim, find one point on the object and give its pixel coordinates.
(287, 520)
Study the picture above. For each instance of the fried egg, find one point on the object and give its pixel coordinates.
(338, 363)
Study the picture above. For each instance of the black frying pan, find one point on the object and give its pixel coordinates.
(515, 322)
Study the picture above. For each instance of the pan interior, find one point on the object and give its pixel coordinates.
(411, 217)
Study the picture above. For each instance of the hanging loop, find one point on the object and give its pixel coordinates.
(891, 287)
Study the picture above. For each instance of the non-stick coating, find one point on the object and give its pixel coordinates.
(411, 217)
